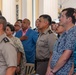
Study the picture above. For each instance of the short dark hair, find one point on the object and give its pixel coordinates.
(11, 27)
(53, 22)
(20, 20)
(3, 21)
(69, 13)
(45, 16)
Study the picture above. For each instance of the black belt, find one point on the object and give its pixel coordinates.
(42, 60)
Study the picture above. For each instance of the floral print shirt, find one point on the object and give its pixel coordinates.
(65, 42)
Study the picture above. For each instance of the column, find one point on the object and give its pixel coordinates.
(24, 9)
(33, 13)
(27, 10)
(9, 10)
(36, 9)
(0, 5)
(49, 7)
(19, 4)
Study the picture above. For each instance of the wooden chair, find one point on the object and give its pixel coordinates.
(29, 69)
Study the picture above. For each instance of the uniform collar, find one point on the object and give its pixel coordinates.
(2, 36)
(45, 32)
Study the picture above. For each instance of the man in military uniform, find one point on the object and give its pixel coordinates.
(8, 54)
(44, 44)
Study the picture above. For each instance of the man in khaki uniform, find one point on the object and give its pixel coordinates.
(8, 54)
(44, 44)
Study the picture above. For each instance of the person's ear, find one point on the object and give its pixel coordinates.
(69, 19)
(46, 22)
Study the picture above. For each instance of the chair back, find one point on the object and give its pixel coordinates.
(29, 69)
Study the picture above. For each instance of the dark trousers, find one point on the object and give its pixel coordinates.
(41, 67)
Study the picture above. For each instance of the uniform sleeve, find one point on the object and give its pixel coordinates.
(10, 54)
(19, 45)
(51, 41)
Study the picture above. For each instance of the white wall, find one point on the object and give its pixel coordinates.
(27, 9)
(24, 9)
(0, 4)
(9, 10)
(67, 3)
(49, 7)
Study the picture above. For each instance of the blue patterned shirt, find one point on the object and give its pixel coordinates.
(65, 42)
(75, 57)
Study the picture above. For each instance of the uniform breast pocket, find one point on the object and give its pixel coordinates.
(0, 51)
(43, 43)
(1, 56)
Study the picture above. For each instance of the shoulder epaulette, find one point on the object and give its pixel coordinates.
(49, 31)
(6, 39)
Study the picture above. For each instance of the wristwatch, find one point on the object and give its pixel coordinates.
(18, 65)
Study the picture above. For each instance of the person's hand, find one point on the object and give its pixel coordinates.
(71, 72)
(52, 73)
(75, 74)
(48, 72)
(23, 38)
(18, 69)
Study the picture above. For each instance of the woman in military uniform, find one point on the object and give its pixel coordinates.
(21, 55)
